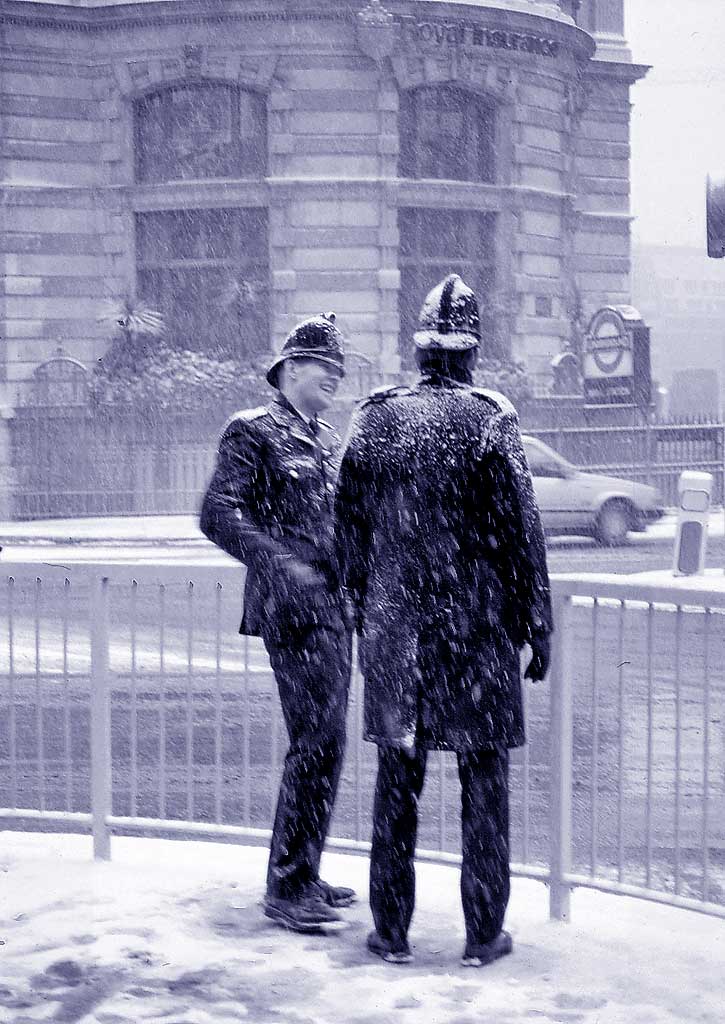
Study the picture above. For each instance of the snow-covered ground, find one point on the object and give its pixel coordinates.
(184, 529)
(151, 529)
(172, 932)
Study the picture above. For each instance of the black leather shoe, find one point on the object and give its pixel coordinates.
(334, 895)
(487, 952)
(309, 913)
(384, 949)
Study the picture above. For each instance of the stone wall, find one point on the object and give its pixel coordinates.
(58, 237)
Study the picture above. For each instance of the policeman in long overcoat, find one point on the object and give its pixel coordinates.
(443, 555)
(269, 504)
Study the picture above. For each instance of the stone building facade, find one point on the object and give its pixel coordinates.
(241, 164)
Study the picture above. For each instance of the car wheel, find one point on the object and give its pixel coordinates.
(613, 524)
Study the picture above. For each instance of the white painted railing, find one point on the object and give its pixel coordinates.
(639, 661)
(129, 704)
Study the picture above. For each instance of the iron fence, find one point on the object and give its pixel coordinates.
(124, 467)
(130, 705)
(73, 457)
(654, 453)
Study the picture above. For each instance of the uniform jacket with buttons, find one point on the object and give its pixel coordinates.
(443, 555)
(269, 504)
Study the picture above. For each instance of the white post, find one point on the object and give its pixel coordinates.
(561, 731)
(100, 719)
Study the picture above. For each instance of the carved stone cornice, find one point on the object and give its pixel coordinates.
(620, 71)
(180, 195)
(376, 31)
(93, 20)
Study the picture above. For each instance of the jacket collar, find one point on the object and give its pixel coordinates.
(437, 380)
(285, 415)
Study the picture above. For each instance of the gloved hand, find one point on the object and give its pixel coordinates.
(350, 615)
(541, 654)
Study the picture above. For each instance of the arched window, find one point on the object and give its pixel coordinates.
(446, 132)
(200, 130)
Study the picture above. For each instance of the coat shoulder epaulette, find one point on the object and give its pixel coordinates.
(385, 392)
(245, 416)
(500, 402)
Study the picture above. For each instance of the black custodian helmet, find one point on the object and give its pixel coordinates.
(314, 338)
(449, 318)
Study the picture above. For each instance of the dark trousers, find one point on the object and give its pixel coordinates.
(485, 877)
(312, 670)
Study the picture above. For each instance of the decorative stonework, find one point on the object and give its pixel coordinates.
(193, 60)
(134, 77)
(376, 31)
(577, 99)
(132, 16)
(469, 71)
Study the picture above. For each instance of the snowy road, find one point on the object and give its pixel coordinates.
(58, 655)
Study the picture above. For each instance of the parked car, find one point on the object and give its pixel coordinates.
(574, 502)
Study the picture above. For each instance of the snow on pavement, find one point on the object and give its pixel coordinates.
(150, 529)
(172, 932)
(184, 530)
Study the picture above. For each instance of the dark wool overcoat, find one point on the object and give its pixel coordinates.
(443, 555)
(269, 504)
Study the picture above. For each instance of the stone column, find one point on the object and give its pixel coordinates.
(7, 470)
(609, 17)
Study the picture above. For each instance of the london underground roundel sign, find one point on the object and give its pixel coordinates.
(615, 360)
(608, 346)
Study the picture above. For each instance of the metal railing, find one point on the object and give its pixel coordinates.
(646, 819)
(120, 466)
(652, 453)
(129, 704)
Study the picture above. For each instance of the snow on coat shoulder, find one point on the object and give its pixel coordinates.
(502, 403)
(384, 392)
(246, 415)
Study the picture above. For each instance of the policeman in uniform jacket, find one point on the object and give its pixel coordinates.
(269, 504)
(443, 556)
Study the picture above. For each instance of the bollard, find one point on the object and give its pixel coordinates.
(695, 490)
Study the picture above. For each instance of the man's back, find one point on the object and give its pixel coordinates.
(425, 452)
(442, 550)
